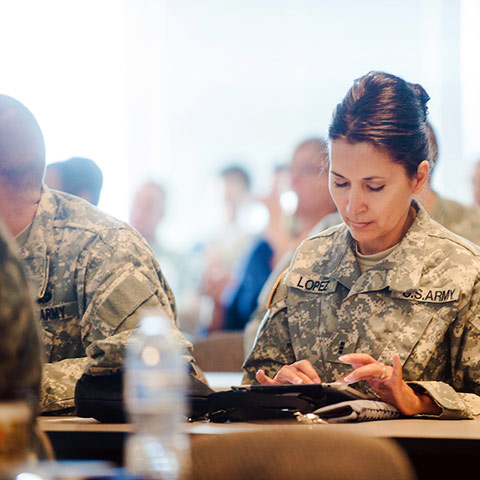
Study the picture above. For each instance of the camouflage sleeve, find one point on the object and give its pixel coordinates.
(122, 275)
(58, 386)
(461, 398)
(120, 280)
(123, 281)
(272, 347)
(106, 355)
(259, 313)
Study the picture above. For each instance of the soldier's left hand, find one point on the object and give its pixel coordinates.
(387, 382)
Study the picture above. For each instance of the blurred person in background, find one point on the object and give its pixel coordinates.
(308, 174)
(222, 253)
(309, 181)
(78, 176)
(464, 220)
(279, 214)
(236, 188)
(148, 210)
(146, 215)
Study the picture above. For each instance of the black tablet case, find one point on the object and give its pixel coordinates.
(258, 402)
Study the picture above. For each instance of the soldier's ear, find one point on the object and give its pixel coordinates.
(421, 177)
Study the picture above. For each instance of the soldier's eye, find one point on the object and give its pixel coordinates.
(376, 189)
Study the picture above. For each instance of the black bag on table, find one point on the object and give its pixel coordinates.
(101, 397)
(258, 402)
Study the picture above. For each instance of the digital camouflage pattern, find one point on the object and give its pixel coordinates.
(92, 276)
(461, 219)
(421, 302)
(252, 326)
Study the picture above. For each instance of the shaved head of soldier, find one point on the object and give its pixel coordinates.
(22, 148)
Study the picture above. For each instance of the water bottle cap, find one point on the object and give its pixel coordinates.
(150, 356)
(155, 325)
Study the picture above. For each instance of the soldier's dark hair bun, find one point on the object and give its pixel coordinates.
(423, 96)
(388, 112)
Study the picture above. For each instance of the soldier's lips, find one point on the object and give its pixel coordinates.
(358, 225)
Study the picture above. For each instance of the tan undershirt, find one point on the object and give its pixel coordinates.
(368, 261)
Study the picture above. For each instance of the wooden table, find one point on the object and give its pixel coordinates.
(434, 446)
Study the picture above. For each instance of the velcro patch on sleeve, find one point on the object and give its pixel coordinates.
(274, 289)
(123, 298)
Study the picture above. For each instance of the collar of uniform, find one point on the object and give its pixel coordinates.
(408, 257)
(339, 260)
(400, 271)
(34, 250)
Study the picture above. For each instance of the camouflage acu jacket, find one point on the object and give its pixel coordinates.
(421, 302)
(91, 275)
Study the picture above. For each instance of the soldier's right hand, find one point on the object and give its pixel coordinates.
(301, 372)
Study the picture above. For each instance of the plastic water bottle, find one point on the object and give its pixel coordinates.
(155, 385)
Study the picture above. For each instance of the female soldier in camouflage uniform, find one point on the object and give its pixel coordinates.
(390, 285)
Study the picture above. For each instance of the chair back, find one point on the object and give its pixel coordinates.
(298, 452)
(220, 352)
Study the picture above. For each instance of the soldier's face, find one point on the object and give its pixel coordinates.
(372, 194)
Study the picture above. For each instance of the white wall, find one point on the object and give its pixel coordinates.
(250, 79)
(470, 88)
(65, 60)
(173, 89)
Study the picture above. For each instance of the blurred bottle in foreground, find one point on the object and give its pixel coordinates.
(155, 386)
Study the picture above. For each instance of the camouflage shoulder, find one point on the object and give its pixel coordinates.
(76, 213)
(328, 232)
(317, 245)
